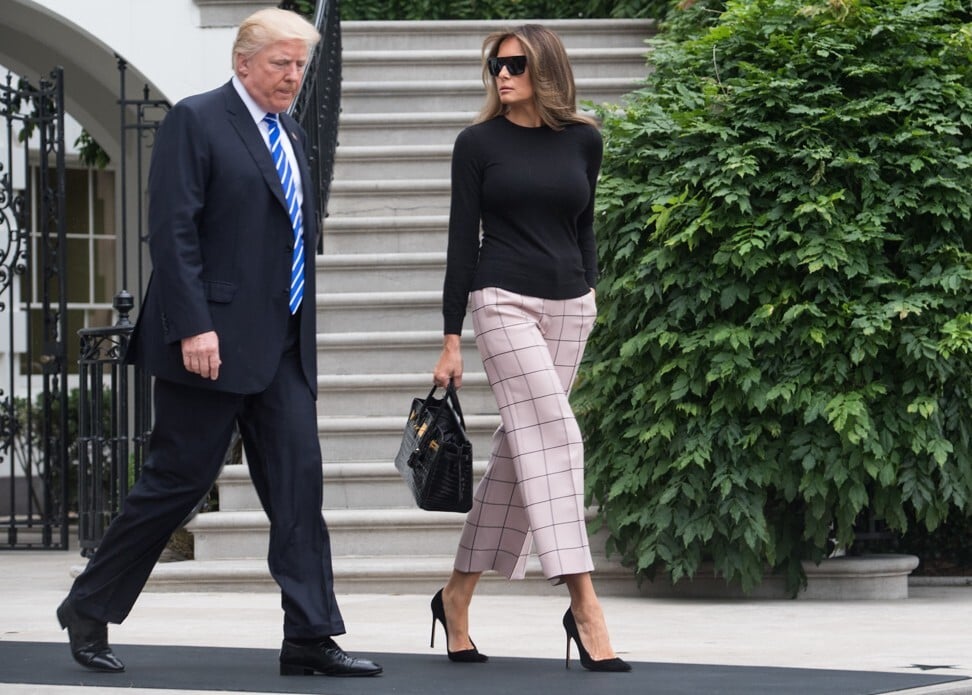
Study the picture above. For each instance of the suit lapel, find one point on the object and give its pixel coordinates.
(291, 128)
(241, 121)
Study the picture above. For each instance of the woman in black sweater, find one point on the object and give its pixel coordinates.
(524, 175)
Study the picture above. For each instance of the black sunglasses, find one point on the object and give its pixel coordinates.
(515, 65)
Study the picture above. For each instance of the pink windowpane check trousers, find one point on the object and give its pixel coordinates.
(532, 494)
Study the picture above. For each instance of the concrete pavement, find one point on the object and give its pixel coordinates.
(929, 632)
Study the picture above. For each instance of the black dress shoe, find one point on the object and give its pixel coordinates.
(89, 640)
(322, 656)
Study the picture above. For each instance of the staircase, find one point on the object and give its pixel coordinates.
(408, 89)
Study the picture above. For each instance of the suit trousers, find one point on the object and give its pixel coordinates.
(532, 493)
(190, 436)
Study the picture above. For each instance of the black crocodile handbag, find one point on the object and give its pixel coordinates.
(435, 456)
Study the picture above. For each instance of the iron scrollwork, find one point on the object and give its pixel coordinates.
(35, 432)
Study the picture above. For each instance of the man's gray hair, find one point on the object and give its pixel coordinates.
(268, 26)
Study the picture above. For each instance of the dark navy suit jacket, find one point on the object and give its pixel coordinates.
(221, 245)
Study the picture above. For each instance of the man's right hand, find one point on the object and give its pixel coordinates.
(200, 355)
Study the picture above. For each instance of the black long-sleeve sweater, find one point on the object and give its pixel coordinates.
(532, 190)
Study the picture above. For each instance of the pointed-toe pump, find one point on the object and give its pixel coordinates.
(468, 656)
(615, 664)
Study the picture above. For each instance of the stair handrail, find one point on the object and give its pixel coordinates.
(318, 103)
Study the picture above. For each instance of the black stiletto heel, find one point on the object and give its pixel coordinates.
(615, 665)
(468, 656)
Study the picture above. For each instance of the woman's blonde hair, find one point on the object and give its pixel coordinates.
(268, 26)
(550, 74)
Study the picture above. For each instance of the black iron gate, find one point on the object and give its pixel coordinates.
(34, 463)
(114, 403)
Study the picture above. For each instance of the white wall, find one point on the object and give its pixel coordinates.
(162, 39)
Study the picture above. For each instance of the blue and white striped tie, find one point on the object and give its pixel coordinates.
(293, 209)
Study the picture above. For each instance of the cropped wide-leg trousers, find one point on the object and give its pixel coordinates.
(532, 494)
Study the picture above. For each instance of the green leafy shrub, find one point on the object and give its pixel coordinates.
(785, 327)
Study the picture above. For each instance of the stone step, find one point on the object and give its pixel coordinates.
(373, 352)
(416, 310)
(388, 234)
(469, 34)
(360, 272)
(374, 394)
(377, 438)
(401, 162)
(389, 197)
(865, 578)
(355, 532)
(460, 94)
(402, 128)
(422, 575)
(360, 485)
(454, 64)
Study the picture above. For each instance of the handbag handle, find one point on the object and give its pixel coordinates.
(451, 400)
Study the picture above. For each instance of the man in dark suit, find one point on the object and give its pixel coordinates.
(227, 328)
